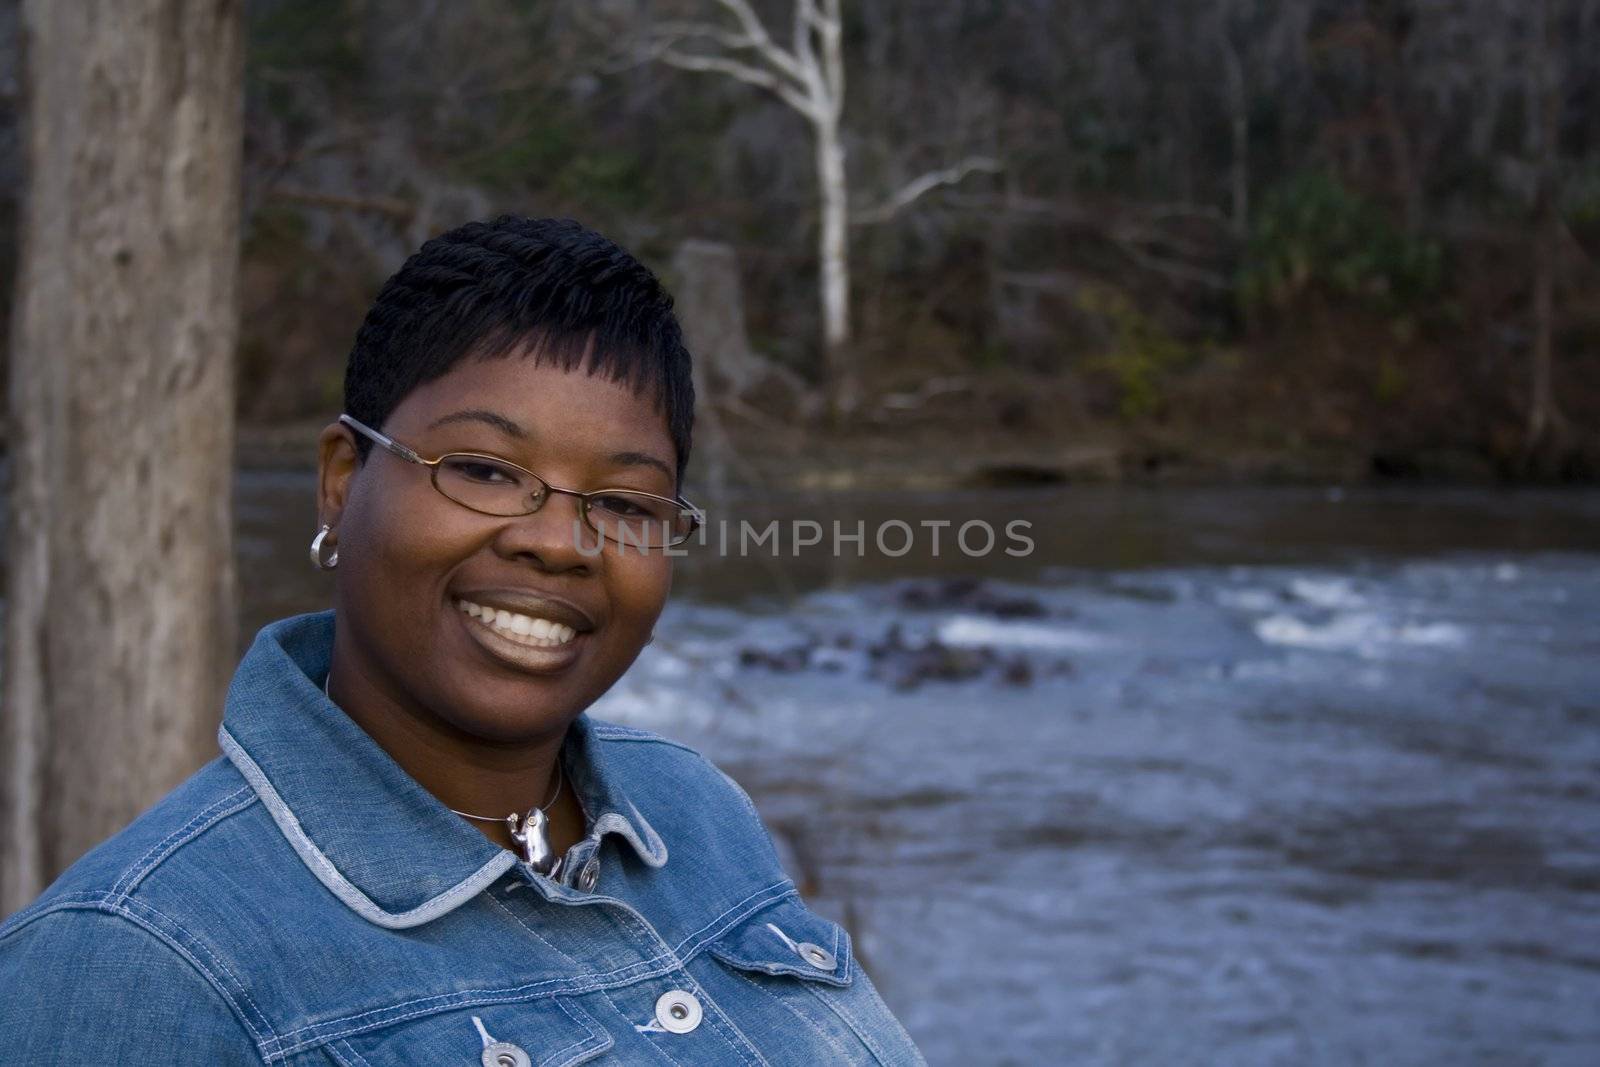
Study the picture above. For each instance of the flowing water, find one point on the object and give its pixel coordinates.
(1216, 776)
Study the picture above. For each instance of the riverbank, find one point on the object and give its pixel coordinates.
(948, 456)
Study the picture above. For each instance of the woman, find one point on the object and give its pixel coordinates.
(416, 848)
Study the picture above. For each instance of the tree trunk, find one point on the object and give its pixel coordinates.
(120, 612)
(839, 379)
(1545, 423)
(1239, 126)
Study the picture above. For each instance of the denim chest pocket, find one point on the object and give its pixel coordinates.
(797, 984)
(547, 1032)
(788, 939)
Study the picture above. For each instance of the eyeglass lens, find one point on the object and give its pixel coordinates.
(495, 488)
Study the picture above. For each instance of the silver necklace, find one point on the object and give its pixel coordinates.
(531, 831)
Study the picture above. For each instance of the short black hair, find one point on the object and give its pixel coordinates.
(552, 289)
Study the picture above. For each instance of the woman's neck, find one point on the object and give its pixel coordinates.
(465, 773)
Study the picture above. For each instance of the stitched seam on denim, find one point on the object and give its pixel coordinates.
(653, 1046)
(642, 930)
(750, 807)
(712, 1013)
(310, 1042)
(832, 1004)
(39, 908)
(616, 822)
(791, 1009)
(646, 934)
(135, 868)
(749, 905)
(124, 907)
(445, 1001)
(536, 934)
(461, 1000)
(877, 998)
(511, 994)
(776, 969)
(837, 976)
(330, 876)
(207, 817)
(353, 1060)
(739, 791)
(59, 902)
(841, 959)
(610, 732)
(584, 1020)
(98, 902)
(129, 902)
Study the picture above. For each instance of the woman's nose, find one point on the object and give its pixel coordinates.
(555, 534)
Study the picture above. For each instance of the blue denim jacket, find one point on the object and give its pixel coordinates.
(302, 900)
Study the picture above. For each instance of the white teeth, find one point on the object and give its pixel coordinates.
(524, 629)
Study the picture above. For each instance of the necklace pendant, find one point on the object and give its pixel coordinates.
(534, 837)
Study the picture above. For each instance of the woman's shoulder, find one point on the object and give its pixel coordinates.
(122, 912)
(165, 837)
(683, 792)
(660, 764)
(606, 730)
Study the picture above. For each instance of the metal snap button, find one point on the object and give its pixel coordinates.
(817, 956)
(678, 1011)
(590, 875)
(505, 1054)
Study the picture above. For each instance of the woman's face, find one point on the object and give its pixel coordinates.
(418, 574)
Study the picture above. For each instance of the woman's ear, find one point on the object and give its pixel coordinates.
(337, 463)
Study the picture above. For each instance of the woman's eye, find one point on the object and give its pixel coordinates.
(480, 471)
(621, 505)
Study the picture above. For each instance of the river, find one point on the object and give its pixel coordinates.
(1214, 776)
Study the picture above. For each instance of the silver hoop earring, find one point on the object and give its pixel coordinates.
(316, 550)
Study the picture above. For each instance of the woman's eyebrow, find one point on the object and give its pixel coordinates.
(511, 429)
(499, 422)
(639, 459)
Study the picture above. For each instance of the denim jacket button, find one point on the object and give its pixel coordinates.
(817, 956)
(678, 1011)
(588, 878)
(505, 1054)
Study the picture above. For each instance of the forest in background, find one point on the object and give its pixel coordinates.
(1231, 238)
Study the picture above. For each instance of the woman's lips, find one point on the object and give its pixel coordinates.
(529, 604)
(521, 652)
(539, 627)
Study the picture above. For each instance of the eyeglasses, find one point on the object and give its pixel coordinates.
(490, 485)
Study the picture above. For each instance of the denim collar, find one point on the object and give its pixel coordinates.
(365, 828)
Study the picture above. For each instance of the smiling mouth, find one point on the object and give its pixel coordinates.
(528, 630)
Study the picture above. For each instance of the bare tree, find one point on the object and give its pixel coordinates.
(120, 607)
(1545, 421)
(809, 76)
(1238, 104)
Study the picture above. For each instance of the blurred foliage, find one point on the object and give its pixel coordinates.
(314, 36)
(310, 34)
(1141, 355)
(1359, 197)
(1312, 233)
(1581, 195)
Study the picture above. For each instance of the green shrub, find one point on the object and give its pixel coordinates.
(1312, 233)
(1141, 356)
